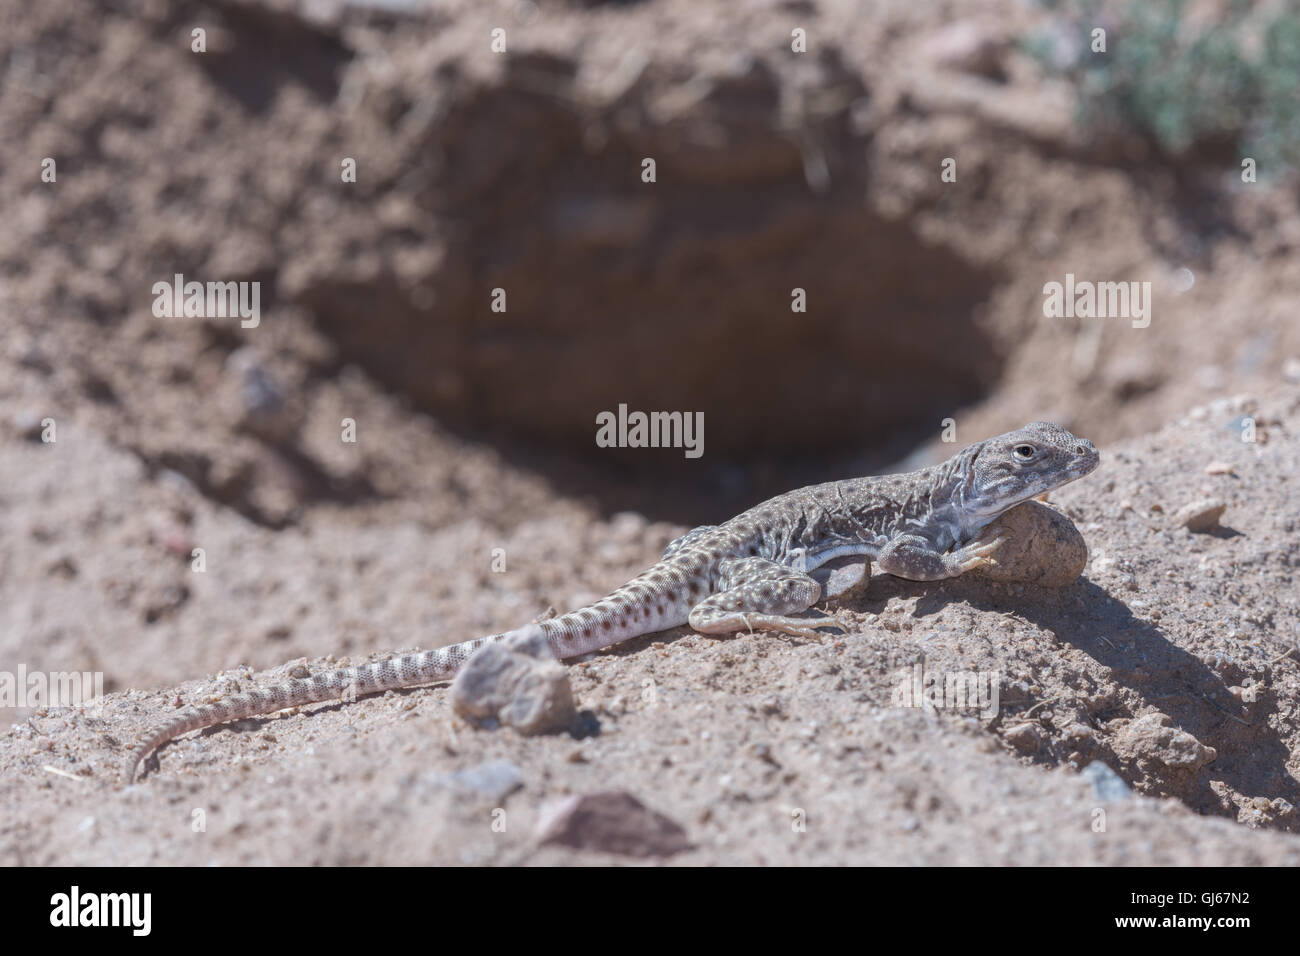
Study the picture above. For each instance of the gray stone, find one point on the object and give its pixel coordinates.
(517, 682)
(495, 779)
(843, 578)
(1106, 783)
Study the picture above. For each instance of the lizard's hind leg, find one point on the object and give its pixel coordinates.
(756, 594)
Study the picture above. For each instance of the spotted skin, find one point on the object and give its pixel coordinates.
(749, 573)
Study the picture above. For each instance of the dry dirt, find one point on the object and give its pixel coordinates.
(1172, 660)
(1167, 661)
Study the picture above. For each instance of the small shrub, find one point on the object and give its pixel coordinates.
(1180, 84)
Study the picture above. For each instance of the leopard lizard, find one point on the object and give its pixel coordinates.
(749, 573)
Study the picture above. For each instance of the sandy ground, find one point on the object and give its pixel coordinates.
(1172, 661)
(1167, 661)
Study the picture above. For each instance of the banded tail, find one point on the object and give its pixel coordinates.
(623, 614)
(408, 670)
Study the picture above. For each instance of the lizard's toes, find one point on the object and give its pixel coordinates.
(980, 552)
(833, 620)
(813, 628)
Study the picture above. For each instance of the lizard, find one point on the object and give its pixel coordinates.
(749, 573)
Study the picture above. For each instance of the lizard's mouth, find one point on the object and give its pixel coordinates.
(1016, 489)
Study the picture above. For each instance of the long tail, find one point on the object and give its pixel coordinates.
(410, 670)
(658, 598)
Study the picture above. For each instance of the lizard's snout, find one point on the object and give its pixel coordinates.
(1085, 455)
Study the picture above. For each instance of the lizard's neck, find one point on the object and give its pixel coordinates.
(954, 504)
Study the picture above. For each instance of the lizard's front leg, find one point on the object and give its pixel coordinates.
(911, 556)
(759, 595)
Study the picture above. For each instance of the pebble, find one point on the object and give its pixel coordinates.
(612, 821)
(1106, 783)
(27, 425)
(1200, 515)
(1026, 738)
(495, 779)
(843, 578)
(517, 682)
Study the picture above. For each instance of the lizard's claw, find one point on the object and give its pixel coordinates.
(978, 553)
(832, 620)
(811, 627)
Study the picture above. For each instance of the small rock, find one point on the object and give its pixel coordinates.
(27, 425)
(518, 682)
(1200, 515)
(257, 400)
(969, 46)
(1218, 468)
(843, 578)
(495, 779)
(1152, 738)
(176, 542)
(1026, 738)
(1106, 783)
(611, 821)
(1040, 546)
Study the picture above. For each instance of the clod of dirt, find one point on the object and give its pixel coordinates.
(517, 682)
(1039, 546)
(1201, 515)
(1152, 738)
(611, 821)
(1026, 738)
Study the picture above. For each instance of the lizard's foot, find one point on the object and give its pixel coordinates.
(794, 626)
(830, 620)
(758, 595)
(913, 557)
(977, 554)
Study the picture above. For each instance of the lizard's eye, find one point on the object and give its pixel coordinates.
(1024, 452)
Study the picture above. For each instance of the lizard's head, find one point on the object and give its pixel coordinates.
(1029, 461)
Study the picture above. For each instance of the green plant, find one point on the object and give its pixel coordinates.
(1178, 82)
